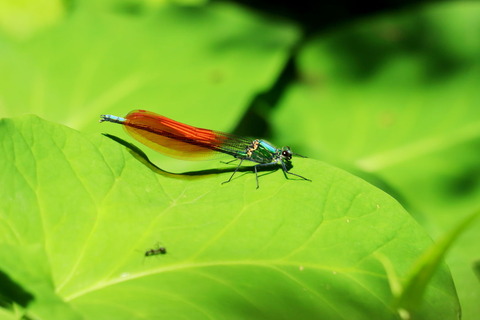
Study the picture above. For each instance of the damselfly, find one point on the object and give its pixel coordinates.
(186, 142)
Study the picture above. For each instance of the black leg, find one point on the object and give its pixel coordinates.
(236, 169)
(286, 171)
(228, 162)
(261, 165)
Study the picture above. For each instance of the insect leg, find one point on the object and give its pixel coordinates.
(236, 169)
(284, 168)
(228, 162)
(262, 165)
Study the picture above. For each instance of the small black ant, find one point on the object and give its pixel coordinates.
(155, 251)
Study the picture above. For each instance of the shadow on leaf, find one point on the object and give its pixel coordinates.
(143, 158)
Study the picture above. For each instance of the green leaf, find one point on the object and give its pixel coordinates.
(291, 249)
(476, 268)
(22, 19)
(394, 98)
(7, 315)
(426, 266)
(188, 63)
(29, 266)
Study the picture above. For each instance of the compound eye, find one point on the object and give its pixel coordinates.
(287, 154)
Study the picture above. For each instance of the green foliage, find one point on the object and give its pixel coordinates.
(22, 19)
(195, 59)
(391, 98)
(410, 296)
(188, 63)
(395, 100)
(83, 211)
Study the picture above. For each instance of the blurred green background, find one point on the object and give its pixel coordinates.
(390, 92)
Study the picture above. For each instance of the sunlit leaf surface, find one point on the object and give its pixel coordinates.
(86, 210)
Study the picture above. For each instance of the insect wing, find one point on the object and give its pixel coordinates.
(171, 137)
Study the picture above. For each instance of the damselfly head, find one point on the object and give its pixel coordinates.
(287, 153)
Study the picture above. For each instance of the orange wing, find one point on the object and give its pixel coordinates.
(173, 138)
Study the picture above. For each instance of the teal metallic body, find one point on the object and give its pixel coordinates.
(265, 154)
